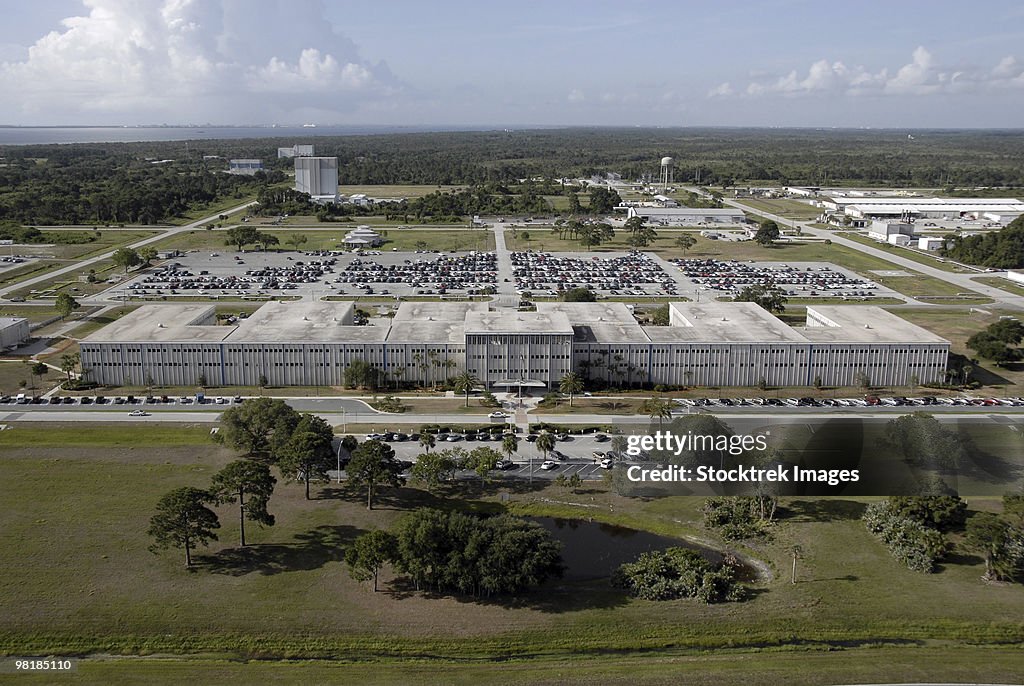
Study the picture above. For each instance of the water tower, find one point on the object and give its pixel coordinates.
(667, 166)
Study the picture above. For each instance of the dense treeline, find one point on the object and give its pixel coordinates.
(1003, 249)
(86, 184)
(120, 183)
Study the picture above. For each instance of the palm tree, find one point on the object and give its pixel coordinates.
(68, 364)
(427, 441)
(545, 444)
(509, 445)
(657, 408)
(465, 383)
(571, 384)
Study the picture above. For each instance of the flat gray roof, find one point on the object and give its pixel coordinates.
(10, 321)
(306, 321)
(600, 322)
(438, 311)
(518, 323)
(863, 324)
(729, 322)
(184, 323)
(694, 211)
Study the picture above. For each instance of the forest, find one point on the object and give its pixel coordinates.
(135, 182)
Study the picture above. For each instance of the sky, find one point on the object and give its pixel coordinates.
(907, 63)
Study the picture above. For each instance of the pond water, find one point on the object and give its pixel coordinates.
(593, 550)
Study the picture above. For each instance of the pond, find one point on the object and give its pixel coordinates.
(593, 550)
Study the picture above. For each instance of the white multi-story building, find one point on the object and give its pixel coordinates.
(705, 344)
(317, 176)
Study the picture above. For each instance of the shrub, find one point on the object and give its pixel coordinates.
(679, 573)
(908, 540)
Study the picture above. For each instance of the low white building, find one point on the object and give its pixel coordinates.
(900, 239)
(246, 167)
(882, 230)
(13, 332)
(363, 236)
(930, 243)
(687, 216)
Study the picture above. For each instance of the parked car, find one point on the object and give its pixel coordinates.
(505, 464)
(548, 465)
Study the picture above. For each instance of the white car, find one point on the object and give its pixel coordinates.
(497, 415)
(375, 437)
(606, 463)
(220, 401)
(138, 413)
(548, 464)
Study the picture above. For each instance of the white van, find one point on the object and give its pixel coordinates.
(21, 399)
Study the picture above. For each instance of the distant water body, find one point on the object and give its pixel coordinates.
(116, 134)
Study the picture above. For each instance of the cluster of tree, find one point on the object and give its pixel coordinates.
(579, 295)
(767, 296)
(1003, 249)
(912, 527)
(116, 183)
(922, 441)
(184, 519)
(999, 539)
(84, 184)
(679, 573)
(454, 552)
(640, 235)
(300, 444)
(28, 235)
(442, 206)
(737, 518)
(435, 468)
(999, 341)
(603, 200)
(241, 236)
(767, 233)
(588, 233)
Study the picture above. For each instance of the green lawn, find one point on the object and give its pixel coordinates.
(666, 668)
(78, 579)
(784, 207)
(403, 239)
(1002, 284)
(923, 258)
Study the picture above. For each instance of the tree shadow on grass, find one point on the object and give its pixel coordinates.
(958, 559)
(447, 496)
(821, 510)
(311, 550)
(554, 596)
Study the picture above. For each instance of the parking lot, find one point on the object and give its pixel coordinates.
(800, 279)
(633, 273)
(259, 274)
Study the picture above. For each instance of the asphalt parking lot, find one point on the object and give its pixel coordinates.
(633, 273)
(227, 269)
(801, 279)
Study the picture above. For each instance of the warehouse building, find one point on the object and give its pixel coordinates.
(686, 216)
(246, 167)
(705, 344)
(1002, 210)
(13, 332)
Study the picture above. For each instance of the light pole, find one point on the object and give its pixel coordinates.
(339, 462)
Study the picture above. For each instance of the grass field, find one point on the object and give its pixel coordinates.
(668, 668)
(784, 207)
(403, 239)
(202, 211)
(105, 240)
(77, 579)
(1002, 284)
(923, 258)
(397, 191)
(13, 372)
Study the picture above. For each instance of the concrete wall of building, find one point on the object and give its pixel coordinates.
(14, 333)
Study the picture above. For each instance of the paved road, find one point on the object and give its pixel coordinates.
(79, 265)
(506, 281)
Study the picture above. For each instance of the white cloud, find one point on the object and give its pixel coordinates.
(188, 60)
(921, 76)
(576, 95)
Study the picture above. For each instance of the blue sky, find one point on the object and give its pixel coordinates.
(773, 63)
